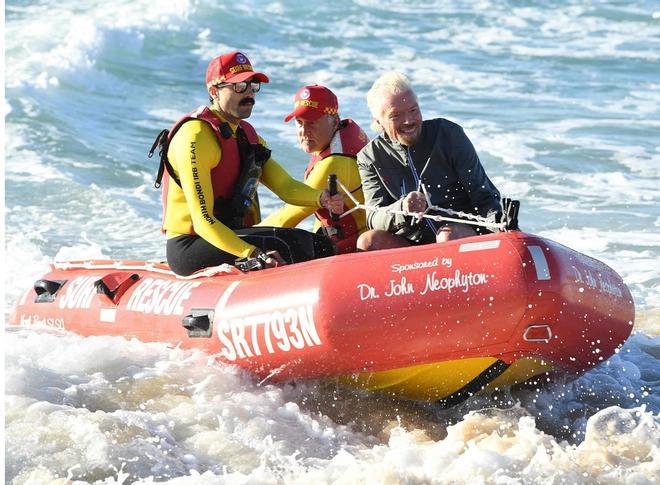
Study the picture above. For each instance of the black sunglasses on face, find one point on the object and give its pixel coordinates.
(242, 86)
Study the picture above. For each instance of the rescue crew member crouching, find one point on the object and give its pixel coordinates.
(211, 164)
(333, 144)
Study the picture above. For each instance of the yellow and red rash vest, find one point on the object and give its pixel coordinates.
(224, 176)
(348, 141)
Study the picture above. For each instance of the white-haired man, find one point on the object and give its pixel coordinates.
(409, 153)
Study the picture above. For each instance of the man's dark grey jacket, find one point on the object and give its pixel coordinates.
(449, 168)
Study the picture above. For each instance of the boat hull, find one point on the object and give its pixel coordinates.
(439, 321)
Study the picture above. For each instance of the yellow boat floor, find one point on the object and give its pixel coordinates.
(450, 381)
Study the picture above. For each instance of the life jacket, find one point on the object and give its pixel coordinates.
(347, 141)
(234, 180)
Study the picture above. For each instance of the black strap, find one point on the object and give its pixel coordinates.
(491, 373)
(161, 143)
(225, 130)
(252, 156)
(510, 210)
(244, 145)
(158, 142)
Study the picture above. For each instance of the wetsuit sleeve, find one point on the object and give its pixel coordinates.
(286, 188)
(344, 167)
(288, 216)
(196, 151)
(376, 195)
(346, 170)
(482, 192)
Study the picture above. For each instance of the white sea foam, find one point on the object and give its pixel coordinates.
(106, 407)
(56, 50)
(29, 165)
(24, 264)
(106, 221)
(511, 148)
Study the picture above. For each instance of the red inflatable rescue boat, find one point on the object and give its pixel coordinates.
(432, 322)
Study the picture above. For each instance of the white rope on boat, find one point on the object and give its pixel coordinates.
(472, 219)
(147, 266)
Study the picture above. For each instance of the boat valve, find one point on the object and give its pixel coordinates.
(198, 323)
(46, 290)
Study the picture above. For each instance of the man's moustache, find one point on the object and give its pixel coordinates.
(246, 101)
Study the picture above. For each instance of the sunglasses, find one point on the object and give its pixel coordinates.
(242, 86)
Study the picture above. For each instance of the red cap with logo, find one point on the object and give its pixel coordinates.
(312, 102)
(231, 68)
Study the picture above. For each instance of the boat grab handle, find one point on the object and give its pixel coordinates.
(537, 335)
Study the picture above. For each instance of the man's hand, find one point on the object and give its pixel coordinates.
(334, 203)
(414, 202)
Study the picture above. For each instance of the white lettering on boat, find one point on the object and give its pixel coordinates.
(367, 292)
(36, 320)
(271, 332)
(459, 281)
(404, 287)
(281, 328)
(161, 297)
(610, 287)
(400, 288)
(400, 268)
(599, 282)
(79, 293)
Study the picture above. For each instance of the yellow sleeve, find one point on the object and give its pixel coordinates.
(286, 188)
(288, 216)
(194, 152)
(347, 172)
(344, 167)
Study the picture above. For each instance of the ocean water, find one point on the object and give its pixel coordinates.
(561, 100)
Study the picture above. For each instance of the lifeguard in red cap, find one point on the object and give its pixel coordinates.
(212, 161)
(333, 144)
